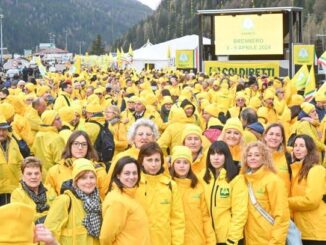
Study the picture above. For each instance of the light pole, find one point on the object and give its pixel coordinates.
(322, 39)
(1, 17)
(66, 40)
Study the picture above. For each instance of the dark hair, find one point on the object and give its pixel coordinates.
(220, 147)
(122, 162)
(295, 110)
(190, 175)
(312, 157)
(249, 116)
(91, 153)
(147, 150)
(64, 85)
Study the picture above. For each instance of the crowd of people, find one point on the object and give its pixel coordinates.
(161, 157)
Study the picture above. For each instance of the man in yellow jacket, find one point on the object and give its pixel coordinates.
(48, 144)
(63, 98)
(34, 113)
(10, 159)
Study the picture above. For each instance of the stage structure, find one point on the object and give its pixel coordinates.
(250, 40)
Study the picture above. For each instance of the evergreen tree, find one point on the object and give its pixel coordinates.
(97, 46)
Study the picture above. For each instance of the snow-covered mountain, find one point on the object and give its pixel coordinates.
(153, 4)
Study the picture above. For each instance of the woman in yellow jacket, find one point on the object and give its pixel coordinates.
(274, 138)
(75, 217)
(226, 194)
(118, 129)
(124, 219)
(199, 229)
(193, 138)
(270, 192)
(308, 189)
(32, 191)
(78, 146)
(159, 196)
(232, 135)
(141, 132)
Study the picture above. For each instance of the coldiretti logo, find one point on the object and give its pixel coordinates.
(224, 192)
(196, 196)
(260, 191)
(165, 201)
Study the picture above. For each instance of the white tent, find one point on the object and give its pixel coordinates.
(158, 54)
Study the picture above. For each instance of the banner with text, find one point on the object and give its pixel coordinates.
(303, 54)
(249, 34)
(184, 59)
(243, 69)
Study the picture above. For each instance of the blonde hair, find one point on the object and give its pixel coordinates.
(115, 109)
(265, 153)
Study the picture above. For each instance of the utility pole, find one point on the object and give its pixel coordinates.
(66, 40)
(322, 39)
(1, 41)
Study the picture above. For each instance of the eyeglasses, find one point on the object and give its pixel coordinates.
(79, 144)
(141, 134)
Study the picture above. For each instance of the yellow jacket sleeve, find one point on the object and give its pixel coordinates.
(165, 140)
(277, 196)
(313, 193)
(305, 127)
(114, 219)
(239, 208)
(208, 227)
(102, 180)
(58, 215)
(177, 217)
(57, 147)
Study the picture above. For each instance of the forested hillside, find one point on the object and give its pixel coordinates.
(175, 18)
(26, 23)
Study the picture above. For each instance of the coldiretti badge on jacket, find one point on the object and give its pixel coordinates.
(224, 192)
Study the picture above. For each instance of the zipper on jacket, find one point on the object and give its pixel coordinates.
(215, 196)
(211, 204)
(146, 187)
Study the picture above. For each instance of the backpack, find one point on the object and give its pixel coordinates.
(23, 147)
(104, 143)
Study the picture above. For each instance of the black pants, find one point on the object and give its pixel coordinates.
(4, 199)
(312, 242)
(241, 242)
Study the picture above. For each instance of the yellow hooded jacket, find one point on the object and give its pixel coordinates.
(119, 132)
(48, 146)
(271, 193)
(306, 202)
(124, 219)
(61, 101)
(281, 165)
(228, 206)
(10, 162)
(199, 229)
(159, 196)
(66, 225)
(61, 172)
(34, 120)
(20, 195)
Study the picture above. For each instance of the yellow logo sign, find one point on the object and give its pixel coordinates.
(184, 59)
(303, 54)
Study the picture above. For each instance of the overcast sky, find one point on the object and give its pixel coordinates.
(151, 3)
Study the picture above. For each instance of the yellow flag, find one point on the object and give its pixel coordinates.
(130, 51)
(300, 78)
(310, 88)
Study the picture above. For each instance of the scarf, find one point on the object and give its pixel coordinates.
(114, 121)
(39, 199)
(92, 207)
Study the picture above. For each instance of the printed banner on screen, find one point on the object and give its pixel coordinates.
(243, 69)
(249, 34)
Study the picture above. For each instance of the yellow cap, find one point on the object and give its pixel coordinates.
(67, 114)
(307, 107)
(81, 165)
(167, 100)
(7, 110)
(93, 108)
(191, 129)
(17, 226)
(233, 123)
(268, 95)
(30, 87)
(214, 122)
(181, 151)
(212, 110)
(48, 117)
(296, 99)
